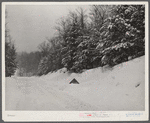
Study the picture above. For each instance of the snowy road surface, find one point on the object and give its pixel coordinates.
(28, 94)
(117, 89)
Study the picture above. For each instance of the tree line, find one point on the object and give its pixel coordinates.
(106, 35)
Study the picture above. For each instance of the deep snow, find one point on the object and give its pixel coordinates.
(121, 88)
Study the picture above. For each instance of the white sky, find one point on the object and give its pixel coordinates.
(29, 25)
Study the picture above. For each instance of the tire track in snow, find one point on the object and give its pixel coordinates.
(68, 101)
(37, 93)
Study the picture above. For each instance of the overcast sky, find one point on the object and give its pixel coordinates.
(29, 25)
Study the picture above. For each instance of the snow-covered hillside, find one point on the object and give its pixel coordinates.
(121, 88)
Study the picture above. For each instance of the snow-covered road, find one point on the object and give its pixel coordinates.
(121, 88)
(28, 94)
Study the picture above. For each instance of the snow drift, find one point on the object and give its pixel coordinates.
(121, 88)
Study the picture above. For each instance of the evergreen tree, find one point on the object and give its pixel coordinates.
(10, 53)
(125, 35)
(71, 43)
(10, 58)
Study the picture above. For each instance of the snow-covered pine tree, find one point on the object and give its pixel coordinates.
(10, 53)
(70, 44)
(10, 59)
(125, 34)
(98, 15)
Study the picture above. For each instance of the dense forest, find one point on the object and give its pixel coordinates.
(106, 35)
(28, 63)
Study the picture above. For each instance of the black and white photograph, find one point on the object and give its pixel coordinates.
(84, 61)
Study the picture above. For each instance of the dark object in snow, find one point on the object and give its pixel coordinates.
(137, 85)
(74, 81)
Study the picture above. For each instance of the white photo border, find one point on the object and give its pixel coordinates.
(75, 115)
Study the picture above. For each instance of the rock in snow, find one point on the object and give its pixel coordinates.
(74, 81)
